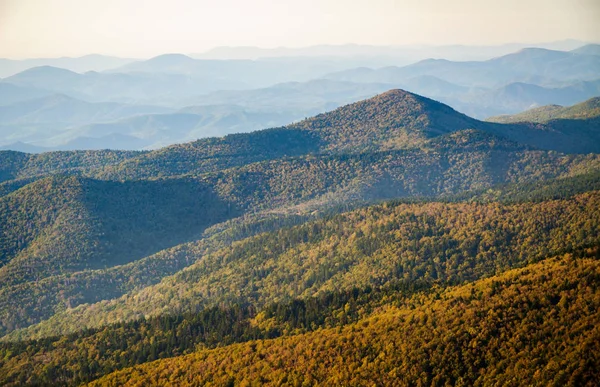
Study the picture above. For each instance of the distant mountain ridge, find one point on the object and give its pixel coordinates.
(503, 85)
(586, 110)
(548, 65)
(93, 62)
(64, 109)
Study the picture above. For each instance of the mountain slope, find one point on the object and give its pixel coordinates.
(530, 326)
(395, 119)
(64, 224)
(300, 187)
(17, 165)
(446, 242)
(315, 165)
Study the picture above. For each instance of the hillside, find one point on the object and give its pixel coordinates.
(115, 346)
(59, 225)
(295, 170)
(300, 186)
(445, 242)
(17, 165)
(447, 337)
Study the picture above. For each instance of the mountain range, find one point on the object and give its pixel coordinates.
(548, 67)
(391, 217)
(147, 104)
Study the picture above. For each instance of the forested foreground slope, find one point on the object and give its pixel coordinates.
(532, 326)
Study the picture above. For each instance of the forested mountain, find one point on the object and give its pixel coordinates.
(138, 256)
(552, 290)
(487, 332)
(17, 165)
(61, 224)
(356, 249)
(393, 120)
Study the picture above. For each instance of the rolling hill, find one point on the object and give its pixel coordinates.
(64, 224)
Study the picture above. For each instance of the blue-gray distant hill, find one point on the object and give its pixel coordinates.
(545, 67)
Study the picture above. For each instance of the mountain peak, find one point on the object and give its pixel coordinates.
(394, 119)
(171, 59)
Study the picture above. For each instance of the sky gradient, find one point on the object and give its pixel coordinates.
(143, 28)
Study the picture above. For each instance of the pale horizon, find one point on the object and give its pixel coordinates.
(528, 44)
(136, 29)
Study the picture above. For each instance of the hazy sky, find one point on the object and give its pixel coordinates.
(142, 28)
